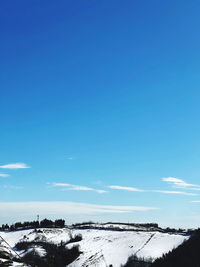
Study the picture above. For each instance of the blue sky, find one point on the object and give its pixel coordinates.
(100, 111)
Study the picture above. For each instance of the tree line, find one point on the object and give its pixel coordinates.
(60, 223)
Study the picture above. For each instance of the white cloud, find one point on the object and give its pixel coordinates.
(70, 158)
(59, 184)
(118, 187)
(174, 192)
(169, 179)
(196, 201)
(62, 208)
(4, 175)
(14, 166)
(77, 187)
(180, 183)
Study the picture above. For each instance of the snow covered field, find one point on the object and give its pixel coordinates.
(102, 247)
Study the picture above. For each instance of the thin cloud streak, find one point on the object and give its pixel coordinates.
(126, 188)
(133, 189)
(66, 186)
(77, 187)
(4, 175)
(15, 166)
(174, 192)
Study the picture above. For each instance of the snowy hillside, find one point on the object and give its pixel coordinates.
(100, 247)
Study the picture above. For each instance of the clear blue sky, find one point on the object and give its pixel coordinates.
(99, 96)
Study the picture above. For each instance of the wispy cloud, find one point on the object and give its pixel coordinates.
(179, 183)
(174, 192)
(70, 158)
(63, 208)
(126, 188)
(10, 187)
(133, 189)
(4, 175)
(196, 201)
(65, 186)
(15, 166)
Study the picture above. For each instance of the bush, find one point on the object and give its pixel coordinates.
(77, 238)
(134, 261)
(56, 255)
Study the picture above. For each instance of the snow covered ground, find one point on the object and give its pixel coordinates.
(101, 247)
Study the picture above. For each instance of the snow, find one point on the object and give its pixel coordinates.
(13, 237)
(101, 247)
(14, 263)
(17, 264)
(38, 250)
(47, 235)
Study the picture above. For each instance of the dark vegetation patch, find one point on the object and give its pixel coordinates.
(186, 255)
(56, 255)
(4, 255)
(115, 226)
(5, 263)
(5, 259)
(75, 239)
(33, 224)
(134, 261)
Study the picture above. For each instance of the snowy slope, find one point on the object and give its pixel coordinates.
(103, 247)
(46, 235)
(49, 235)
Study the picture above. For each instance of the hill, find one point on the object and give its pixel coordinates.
(97, 247)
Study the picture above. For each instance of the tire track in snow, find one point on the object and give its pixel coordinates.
(149, 239)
